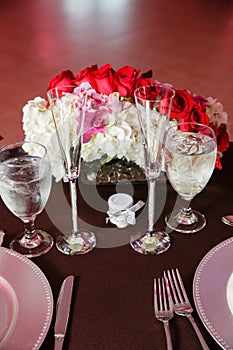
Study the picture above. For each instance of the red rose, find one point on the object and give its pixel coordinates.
(223, 142)
(124, 80)
(102, 79)
(140, 82)
(165, 103)
(197, 115)
(218, 164)
(182, 104)
(222, 137)
(85, 75)
(148, 92)
(66, 77)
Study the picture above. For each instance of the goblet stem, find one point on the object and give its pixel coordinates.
(74, 207)
(29, 229)
(151, 205)
(32, 242)
(186, 216)
(186, 220)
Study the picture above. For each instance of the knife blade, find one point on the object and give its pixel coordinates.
(63, 311)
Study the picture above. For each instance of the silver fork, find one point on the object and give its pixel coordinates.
(182, 305)
(163, 306)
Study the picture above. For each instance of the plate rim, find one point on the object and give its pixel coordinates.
(48, 293)
(196, 292)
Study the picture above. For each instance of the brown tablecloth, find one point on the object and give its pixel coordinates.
(112, 306)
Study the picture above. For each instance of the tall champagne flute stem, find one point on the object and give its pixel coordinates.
(151, 205)
(74, 208)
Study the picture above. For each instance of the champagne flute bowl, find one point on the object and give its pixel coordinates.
(25, 185)
(190, 156)
(68, 112)
(153, 105)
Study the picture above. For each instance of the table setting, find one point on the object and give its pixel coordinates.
(104, 258)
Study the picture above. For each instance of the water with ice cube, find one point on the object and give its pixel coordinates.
(25, 185)
(189, 160)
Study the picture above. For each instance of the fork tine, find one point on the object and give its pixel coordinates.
(160, 299)
(181, 285)
(155, 296)
(160, 295)
(169, 277)
(165, 305)
(169, 297)
(178, 289)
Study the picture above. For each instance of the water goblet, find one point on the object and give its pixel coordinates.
(25, 185)
(68, 112)
(190, 156)
(153, 105)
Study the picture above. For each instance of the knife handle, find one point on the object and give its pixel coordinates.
(58, 342)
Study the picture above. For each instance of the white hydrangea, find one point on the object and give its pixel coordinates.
(121, 139)
(38, 126)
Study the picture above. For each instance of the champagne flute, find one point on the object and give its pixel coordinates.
(68, 112)
(190, 156)
(153, 105)
(25, 185)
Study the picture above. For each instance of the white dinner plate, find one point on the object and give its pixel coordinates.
(35, 300)
(210, 285)
(230, 293)
(8, 310)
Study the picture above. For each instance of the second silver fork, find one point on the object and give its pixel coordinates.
(182, 305)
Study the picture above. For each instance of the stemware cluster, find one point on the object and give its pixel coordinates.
(187, 150)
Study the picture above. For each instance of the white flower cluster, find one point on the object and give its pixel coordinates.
(216, 112)
(121, 138)
(38, 126)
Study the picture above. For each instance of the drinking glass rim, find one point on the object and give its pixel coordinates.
(197, 131)
(60, 87)
(155, 85)
(20, 143)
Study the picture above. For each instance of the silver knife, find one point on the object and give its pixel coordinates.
(63, 311)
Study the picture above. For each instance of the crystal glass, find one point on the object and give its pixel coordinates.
(190, 156)
(68, 112)
(25, 185)
(153, 109)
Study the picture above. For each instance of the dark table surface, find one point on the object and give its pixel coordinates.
(112, 305)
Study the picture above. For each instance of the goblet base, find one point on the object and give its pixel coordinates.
(173, 221)
(76, 244)
(38, 245)
(153, 243)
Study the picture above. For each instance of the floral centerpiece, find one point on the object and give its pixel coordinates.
(111, 129)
